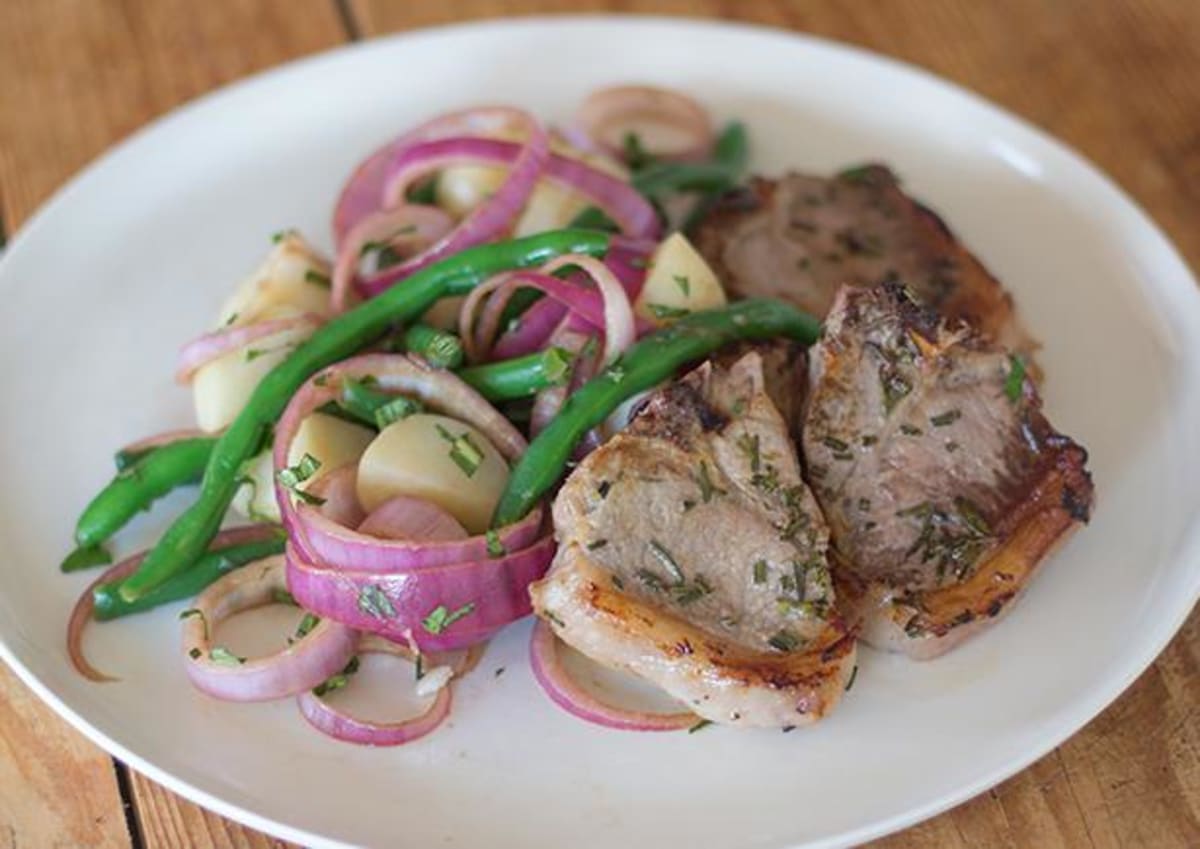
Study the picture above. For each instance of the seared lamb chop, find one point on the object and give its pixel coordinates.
(692, 554)
(943, 484)
(800, 238)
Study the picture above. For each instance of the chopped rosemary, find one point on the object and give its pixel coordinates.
(373, 601)
(684, 284)
(224, 657)
(707, 488)
(784, 641)
(463, 451)
(439, 619)
(317, 278)
(495, 548)
(704, 723)
(596, 543)
(662, 311)
(293, 476)
(1015, 379)
(668, 562)
(947, 418)
(760, 572)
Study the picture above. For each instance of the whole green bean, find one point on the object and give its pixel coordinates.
(109, 604)
(519, 377)
(439, 347)
(141, 484)
(185, 540)
(654, 358)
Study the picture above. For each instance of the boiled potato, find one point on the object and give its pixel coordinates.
(220, 388)
(551, 206)
(415, 456)
(293, 275)
(331, 441)
(678, 282)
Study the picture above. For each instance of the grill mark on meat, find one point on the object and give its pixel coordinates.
(801, 237)
(932, 545)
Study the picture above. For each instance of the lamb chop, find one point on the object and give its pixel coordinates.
(800, 238)
(692, 554)
(943, 483)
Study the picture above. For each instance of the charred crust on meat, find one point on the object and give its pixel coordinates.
(1078, 508)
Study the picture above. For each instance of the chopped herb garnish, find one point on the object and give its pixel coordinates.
(596, 543)
(749, 445)
(668, 562)
(760, 572)
(253, 354)
(662, 311)
(394, 410)
(373, 601)
(338, 681)
(1015, 379)
(233, 316)
(895, 387)
(603, 488)
(704, 723)
(439, 619)
(553, 617)
(947, 418)
(853, 675)
(971, 515)
(650, 579)
(495, 548)
(194, 653)
(707, 488)
(687, 593)
(910, 430)
(279, 235)
(869, 440)
(310, 621)
(499, 671)
(835, 443)
(683, 283)
(192, 611)
(317, 278)
(224, 657)
(293, 476)
(283, 597)
(636, 156)
(784, 641)
(463, 451)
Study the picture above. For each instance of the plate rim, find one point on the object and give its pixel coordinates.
(1181, 284)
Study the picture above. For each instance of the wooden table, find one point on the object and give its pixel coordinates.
(1118, 80)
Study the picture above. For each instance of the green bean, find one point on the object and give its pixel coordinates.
(653, 359)
(441, 348)
(185, 540)
(519, 377)
(139, 485)
(109, 604)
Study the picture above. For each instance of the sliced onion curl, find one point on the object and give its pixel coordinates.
(557, 683)
(342, 726)
(308, 661)
(81, 613)
(204, 349)
(684, 130)
(407, 229)
(449, 592)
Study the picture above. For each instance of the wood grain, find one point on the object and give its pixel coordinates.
(1119, 80)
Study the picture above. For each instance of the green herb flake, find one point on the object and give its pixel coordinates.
(784, 641)
(663, 556)
(279, 235)
(666, 313)
(394, 410)
(310, 621)
(233, 316)
(192, 611)
(760, 572)
(463, 451)
(707, 488)
(338, 681)
(704, 723)
(224, 657)
(596, 543)
(684, 284)
(373, 601)
(439, 619)
(853, 676)
(910, 430)
(194, 653)
(650, 579)
(495, 548)
(1015, 380)
(317, 278)
(253, 354)
(835, 444)
(293, 476)
(947, 418)
(749, 445)
(283, 597)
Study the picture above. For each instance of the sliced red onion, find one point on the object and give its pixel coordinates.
(633, 214)
(204, 349)
(406, 517)
(619, 327)
(607, 115)
(324, 539)
(308, 661)
(407, 228)
(485, 222)
(363, 192)
(557, 683)
(549, 401)
(339, 489)
(478, 331)
(533, 330)
(81, 613)
(342, 726)
(493, 592)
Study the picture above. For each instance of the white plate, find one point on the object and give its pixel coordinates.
(136, 253)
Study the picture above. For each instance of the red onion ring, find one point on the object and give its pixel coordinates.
(605, 117)
(325, 650)
(363, 192)
(478, 331)
(326, 541)
(483, 223)
(633, 214)
(409, 228)
(535, 327)
(339, 488)
(557, 683)
(494, 588)
(204, 349)
(405, 517)
(342, 726)
(619, 327)
(81, 613)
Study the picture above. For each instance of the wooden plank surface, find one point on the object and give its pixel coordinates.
(1118, 80)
